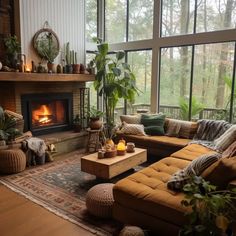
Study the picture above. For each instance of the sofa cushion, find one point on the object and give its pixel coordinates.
(149, 141)
(147, 189)
(195, 167)
(154, 123)
(135, 129)
(180, 128)
(222, 172)
(191, 152)
(230, 151)
(131, 119)
(154, 130)
(227, 138)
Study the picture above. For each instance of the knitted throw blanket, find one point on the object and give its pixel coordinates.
(211, 129)
(208, 131)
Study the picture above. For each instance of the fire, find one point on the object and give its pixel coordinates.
(42, 115)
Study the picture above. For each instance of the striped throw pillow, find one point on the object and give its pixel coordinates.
(196, 167)
(226, 139)
(135, 129)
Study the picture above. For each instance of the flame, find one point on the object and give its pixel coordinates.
(42, 115)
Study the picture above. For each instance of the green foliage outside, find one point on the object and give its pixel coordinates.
(197, 107)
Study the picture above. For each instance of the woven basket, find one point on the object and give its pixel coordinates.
(110, 154)
(12, 161)
(19, 120)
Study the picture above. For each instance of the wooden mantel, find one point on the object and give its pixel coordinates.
(44, 77)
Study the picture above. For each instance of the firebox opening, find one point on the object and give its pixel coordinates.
(46, 113)
(52, 113)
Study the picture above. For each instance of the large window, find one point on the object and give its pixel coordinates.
(140, 63)
(212, 81)
(140, 19)
(115, 21)
(128, 20)
(175, 81)
(91, 19)
(216, 15)
(177, 17)
(182, 53)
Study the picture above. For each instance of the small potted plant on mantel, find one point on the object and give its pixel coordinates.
(48, 51)
(94, 116)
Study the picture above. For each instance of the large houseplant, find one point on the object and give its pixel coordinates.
(212, 210)
(113, 80)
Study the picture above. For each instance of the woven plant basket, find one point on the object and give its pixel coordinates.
(12, 161)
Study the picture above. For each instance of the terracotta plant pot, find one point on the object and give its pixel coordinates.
(95, 123)
(51, 68)
(76, 68)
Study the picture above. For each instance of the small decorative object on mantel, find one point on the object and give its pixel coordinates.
(46, 45)
(72, 65)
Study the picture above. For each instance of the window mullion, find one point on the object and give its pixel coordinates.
(231, 112)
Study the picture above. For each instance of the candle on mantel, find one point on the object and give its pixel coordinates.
(27, 69)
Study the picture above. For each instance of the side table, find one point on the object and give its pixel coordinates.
(93, 140)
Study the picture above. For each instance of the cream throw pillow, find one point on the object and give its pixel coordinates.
(226, 139)
(136, 129)
(131, 119)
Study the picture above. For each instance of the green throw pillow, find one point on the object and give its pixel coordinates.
(153, 124)
(154, 130)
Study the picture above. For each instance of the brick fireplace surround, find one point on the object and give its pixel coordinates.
(14, 85)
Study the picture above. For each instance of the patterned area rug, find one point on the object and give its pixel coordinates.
(61, 187)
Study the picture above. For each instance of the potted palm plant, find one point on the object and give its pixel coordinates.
(113, 80)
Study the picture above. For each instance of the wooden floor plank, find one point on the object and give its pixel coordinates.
(19, 216)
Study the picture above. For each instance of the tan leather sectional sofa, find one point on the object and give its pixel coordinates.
(143, 198)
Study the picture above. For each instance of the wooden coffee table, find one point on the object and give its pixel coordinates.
(108, 168)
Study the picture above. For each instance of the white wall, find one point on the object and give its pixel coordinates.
(66, 19)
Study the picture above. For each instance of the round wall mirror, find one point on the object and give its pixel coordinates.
(46, 44)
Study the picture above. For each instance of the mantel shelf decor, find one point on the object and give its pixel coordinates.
(43, 77)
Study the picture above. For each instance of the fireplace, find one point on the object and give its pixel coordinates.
(47, 113)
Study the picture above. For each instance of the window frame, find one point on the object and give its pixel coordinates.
(158, 42)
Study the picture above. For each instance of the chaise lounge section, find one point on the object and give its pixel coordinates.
(143, 198)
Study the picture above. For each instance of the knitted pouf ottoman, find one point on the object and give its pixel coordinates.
(12, 161)
(99, 200)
